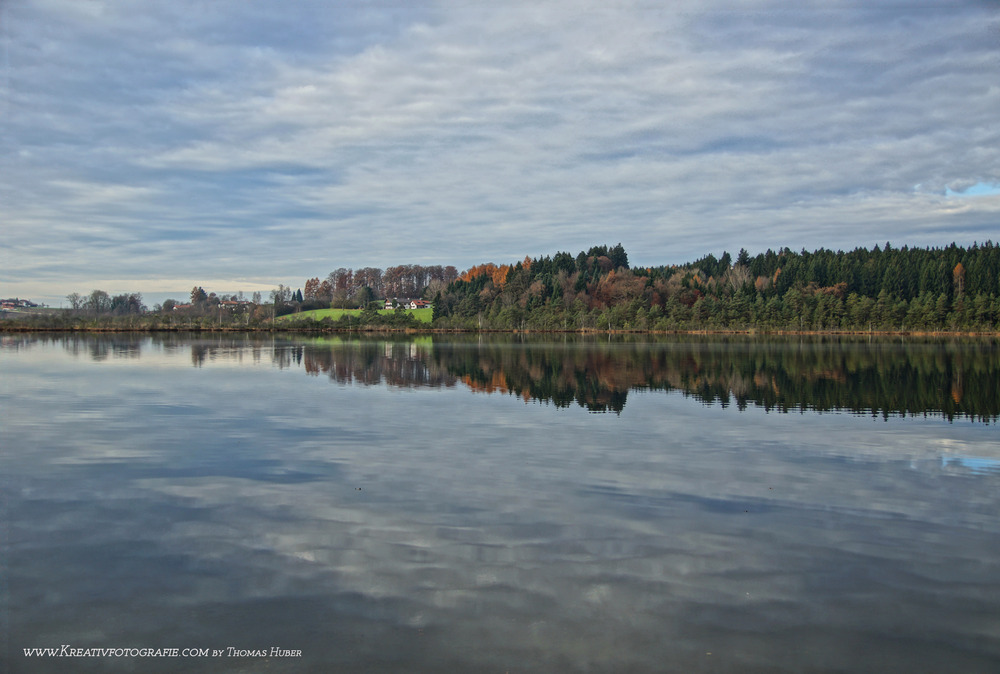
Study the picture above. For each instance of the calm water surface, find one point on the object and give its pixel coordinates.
(501, 505)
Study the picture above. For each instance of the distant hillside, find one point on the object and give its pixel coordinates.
(898, 289)
(885, 289)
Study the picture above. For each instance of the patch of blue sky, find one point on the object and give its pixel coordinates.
(977, 190)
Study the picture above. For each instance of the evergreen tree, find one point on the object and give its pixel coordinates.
(198, 295)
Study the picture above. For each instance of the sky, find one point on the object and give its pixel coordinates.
(149, 146)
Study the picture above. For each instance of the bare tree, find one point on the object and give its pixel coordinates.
(738, 276)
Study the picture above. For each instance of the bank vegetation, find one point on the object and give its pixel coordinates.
(953, 289)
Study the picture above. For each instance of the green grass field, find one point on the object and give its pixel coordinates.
(422, 315)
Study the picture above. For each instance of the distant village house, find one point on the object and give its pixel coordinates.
(14, 304)
(407, 304)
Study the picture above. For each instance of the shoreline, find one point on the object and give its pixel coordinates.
(746, 332)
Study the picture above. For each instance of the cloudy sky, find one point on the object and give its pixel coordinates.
(238, 144)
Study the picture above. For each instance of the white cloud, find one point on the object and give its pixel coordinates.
(301, 140)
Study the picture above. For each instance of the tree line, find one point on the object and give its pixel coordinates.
(99, 302)
(885, 288)
(346, 288)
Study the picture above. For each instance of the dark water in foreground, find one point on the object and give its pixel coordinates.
(454, 505)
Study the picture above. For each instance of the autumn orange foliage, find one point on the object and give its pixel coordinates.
(497, 274)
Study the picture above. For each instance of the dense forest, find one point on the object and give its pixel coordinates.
(885, 288)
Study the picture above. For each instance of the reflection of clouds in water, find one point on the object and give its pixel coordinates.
(987, 447)
(976, 464)
(600, 580)
(980, 458)
(240, 498)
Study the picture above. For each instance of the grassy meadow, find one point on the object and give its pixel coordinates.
(422, 315)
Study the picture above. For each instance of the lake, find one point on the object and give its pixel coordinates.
(232, 503)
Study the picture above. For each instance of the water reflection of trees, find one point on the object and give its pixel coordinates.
(951, 379)
(377, 362)
(957, 378)
(94, 347)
